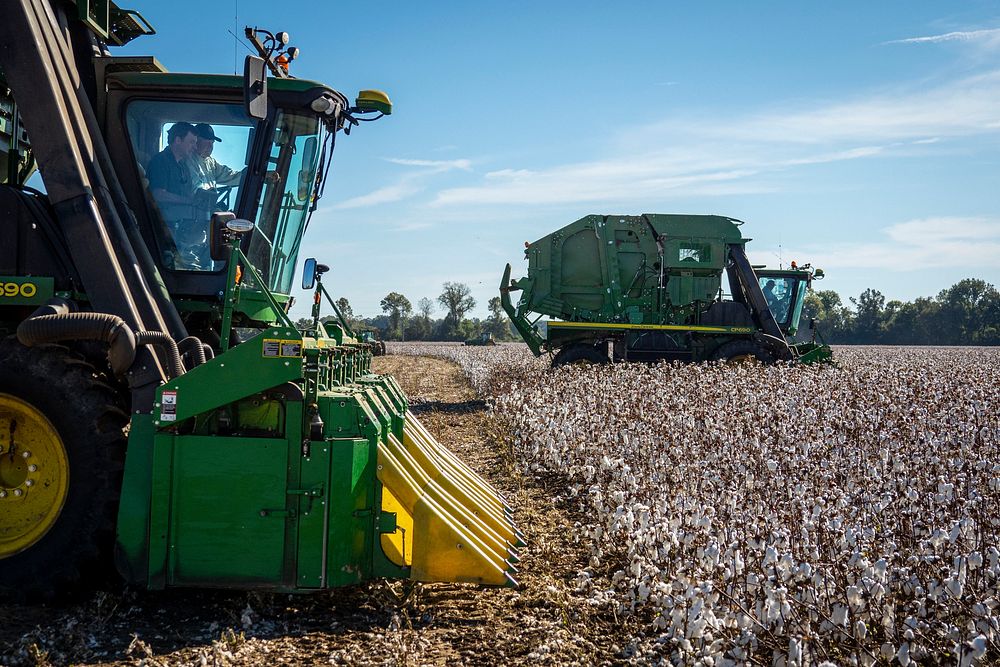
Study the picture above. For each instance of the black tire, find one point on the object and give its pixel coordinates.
(580, 353)
(743, 350)
(87, 415)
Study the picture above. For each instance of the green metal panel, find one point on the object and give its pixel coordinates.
(228, 510)
(25, 290)
(267, 360)
(162, 80)
(315, 505)
(132, 540)
(352, 482)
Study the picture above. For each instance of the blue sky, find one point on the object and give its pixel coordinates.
(861, 137)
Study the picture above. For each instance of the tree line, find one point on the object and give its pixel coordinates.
(967, 313)
(401, 321)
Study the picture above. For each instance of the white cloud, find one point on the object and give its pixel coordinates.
(958, 108)
(435, 164)
(915, 245)
(991, 36)
(408, 184)
(741, 154)
(383, 195)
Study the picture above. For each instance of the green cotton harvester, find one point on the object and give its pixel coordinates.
(158, 409)
(650, 287)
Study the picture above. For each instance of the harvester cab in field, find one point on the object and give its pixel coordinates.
(158, 409)
(650, 287)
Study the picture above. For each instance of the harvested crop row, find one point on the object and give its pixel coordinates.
(793, 514)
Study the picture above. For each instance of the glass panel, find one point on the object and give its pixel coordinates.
(288, 193)
(192, 158)
(778, 292)
(694, 252)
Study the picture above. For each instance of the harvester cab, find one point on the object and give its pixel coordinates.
(156, 401)
(649, 287)
(785, 292)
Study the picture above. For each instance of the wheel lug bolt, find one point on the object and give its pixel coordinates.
(32, 468)
(25, 454)
(29, 482)
(3, 494)
(18, 492)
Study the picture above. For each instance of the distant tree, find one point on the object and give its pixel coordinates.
(966, 308)
(418, 328)
(869, 318)
(344, 306)
(303, 323)
(397, 307)
(425, 307)
(914, 323)
(834, 319)
(457, 299)
(497, 323)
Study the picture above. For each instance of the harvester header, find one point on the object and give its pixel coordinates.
(158, 408)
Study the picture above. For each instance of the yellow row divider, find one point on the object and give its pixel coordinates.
(448, 460)
(483, 504)
(443, 549)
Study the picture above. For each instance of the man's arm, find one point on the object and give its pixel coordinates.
(223, 175)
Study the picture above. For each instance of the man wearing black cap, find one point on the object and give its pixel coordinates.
(207, 172)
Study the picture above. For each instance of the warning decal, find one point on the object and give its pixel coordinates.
(168, 407)
(274, 347)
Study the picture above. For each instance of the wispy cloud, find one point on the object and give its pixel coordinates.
(989, 35)
(434, 164)
(384, 195)
(915, 245)
(408, 184)
(713, 155)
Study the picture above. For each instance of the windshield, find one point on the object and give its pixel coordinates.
(784, 296)
(192, 158)
(287, 196)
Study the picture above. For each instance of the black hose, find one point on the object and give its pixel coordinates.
(192, 349)
(49, 327)
(165, 343)
(54, 323)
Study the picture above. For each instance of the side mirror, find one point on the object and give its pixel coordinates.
(222, 229)
(254, 87)
(309, 273)
(218, 236)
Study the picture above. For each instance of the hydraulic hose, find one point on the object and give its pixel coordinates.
(165, 343)
(54, 323)
(193, 350)
(111, 329)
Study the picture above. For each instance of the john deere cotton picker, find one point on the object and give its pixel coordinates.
(158, 409)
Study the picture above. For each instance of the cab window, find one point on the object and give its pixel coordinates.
(778, 292)
(191, 158)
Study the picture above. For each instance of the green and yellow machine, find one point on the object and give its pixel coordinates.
(158, 409)
(649, 287)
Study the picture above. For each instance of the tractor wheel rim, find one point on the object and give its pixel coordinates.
(34, 475)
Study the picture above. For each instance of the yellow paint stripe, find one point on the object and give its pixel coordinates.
(657, 327)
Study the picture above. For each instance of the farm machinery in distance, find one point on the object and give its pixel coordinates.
(649, 287)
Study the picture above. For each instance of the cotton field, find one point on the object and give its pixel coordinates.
(778, 515)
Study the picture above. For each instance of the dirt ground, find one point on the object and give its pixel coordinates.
(541, 622)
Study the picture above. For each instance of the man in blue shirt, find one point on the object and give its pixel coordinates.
(174, 192)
